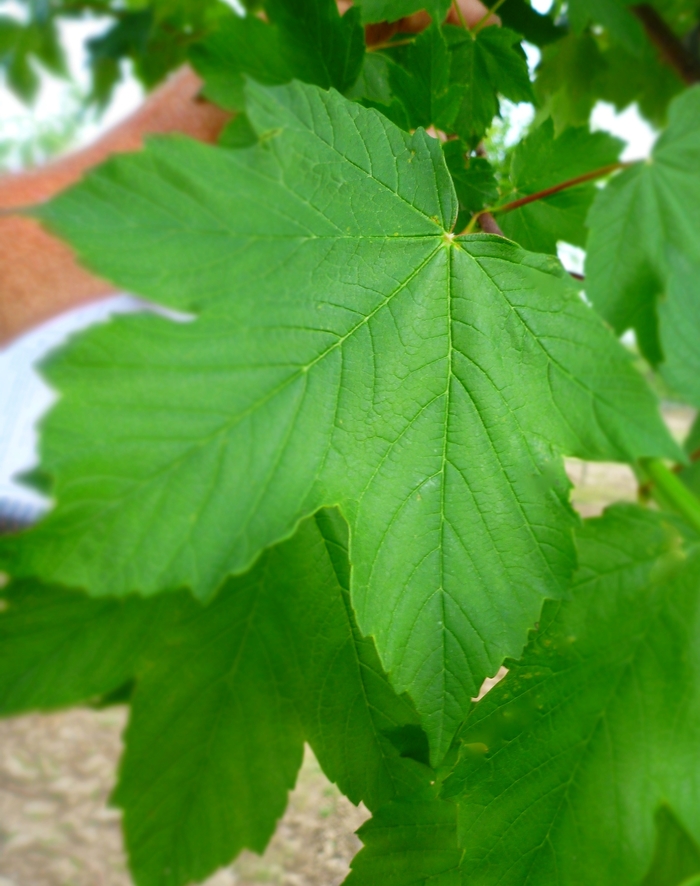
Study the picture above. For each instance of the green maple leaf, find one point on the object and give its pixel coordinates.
(410, 843)
(569, 758)
(568, 78)
(679, 328)
(640, 77)
(562, 767)
(473, 177)
(538, 29)
(304, 39)
(347, 350)
(61, 648)
(224, 698)
(351, 717)
(447, 78)
(487, 65)
(633, 220)
(393, 10)
(541, 161)
(374, 88)
(419, 78)
(614, 15)
(676, 854)
(580, 69)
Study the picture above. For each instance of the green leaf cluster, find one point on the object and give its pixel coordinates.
(558, 772)
(21, 46)
(302, 40)
(606, 56)
(449, 79)
(414, 305)
(392, 10)
(644, 245)
(319, 494)
(222, 698)
(153, 35)
(542, 161)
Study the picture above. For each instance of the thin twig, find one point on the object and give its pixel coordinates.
(671, 49)
(669, 491)
(389, 44)
(563, 186)
(489, 225)
(548, 192)
(460, 14)
(481, 24)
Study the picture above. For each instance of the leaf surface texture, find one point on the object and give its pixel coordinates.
(222, 698)
(634, 221)
(571, 766)
(347, 349)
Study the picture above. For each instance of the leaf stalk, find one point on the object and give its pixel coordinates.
(671, 49)
(489, 225)
(481, 24)
(389, 44)
(460, 14)
(548, 192)
(562, 186)
(670, 491)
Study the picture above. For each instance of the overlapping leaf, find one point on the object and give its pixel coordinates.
(21, 46)
(214, 741)
(304, 39)
(225, 696)
(564, 765)
(615, 15)
(567, 82)
(393, 10)
(410, 843)
(473, 177)
(419, 80)
(637, 217)
(347, 350)
(679, 328)
(536, 28)
(61, 648)
(541, 161)
(566, 762)
(447, 78)
(491, 64)
(581, 69)
(676, 855)
(367, 739)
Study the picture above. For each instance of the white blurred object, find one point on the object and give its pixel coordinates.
(571, 257)
(25, 397)
(627, 125)
(57, 96)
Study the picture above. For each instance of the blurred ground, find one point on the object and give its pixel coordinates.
(56, 773)
(598, 484)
